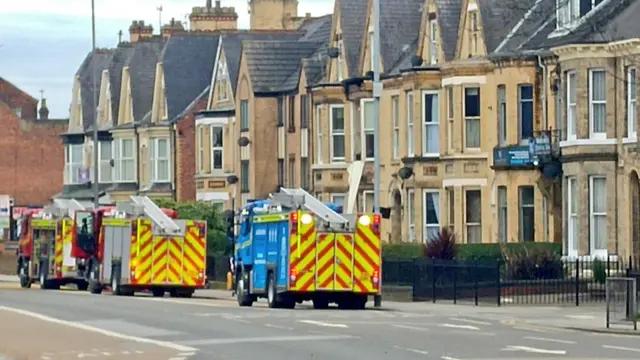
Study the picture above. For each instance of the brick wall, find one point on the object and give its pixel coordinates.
(15, 98)
(32, 158)
(186, 183)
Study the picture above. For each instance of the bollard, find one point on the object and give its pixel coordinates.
(377, 301)
(229, 281)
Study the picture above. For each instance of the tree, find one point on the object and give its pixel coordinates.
(217, 242)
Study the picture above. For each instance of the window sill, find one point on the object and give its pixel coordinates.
(587, 142)
(630, 140)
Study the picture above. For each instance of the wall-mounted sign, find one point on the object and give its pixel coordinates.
(512, 156)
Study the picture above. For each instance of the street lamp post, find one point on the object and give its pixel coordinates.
(96, 163)
(377, 92)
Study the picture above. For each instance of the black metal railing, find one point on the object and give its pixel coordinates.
(571, 282)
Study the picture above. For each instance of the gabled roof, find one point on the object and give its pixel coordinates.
(499, 18)
(99, 62)
(448, 14)
(188, 64)
(353, 19)
(120, 58)
(400, 23)
(232, 45)
(142, 74)
(272, 63)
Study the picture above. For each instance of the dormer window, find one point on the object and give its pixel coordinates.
(473, 31)
(371, 49)
(340, 59)
(569, 12)
(433, 44)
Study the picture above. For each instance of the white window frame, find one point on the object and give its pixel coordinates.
(521, 207)
(502, 114)
(572, 218)
(319, 134)
(222, 78)
(567, 13)
(450, 117)
(592, 103)
(466, 119)
(364, 200)
(468, 224)
(411, 216)
(340, 60)
(592, 214)
(632, 102)
(371, 49)
(411, 149)
(213, 149)
(426, 125)
(503, 213)
(120, 160)
(338, 195)
(426, 226)
(433, 43)
(332, 133)
(572, 115)
(71, 167)
(395, 116)
(105, 162)
(521, 139)
(364, 131)
(156, 159)
(200, 142)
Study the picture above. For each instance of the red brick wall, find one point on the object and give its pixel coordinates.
(15, 98)
(186, 138)
(31, 157)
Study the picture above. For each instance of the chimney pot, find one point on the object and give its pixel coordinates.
(307, 15)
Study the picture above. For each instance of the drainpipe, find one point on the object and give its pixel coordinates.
(174, 145)
(135, 130)
(545, 89)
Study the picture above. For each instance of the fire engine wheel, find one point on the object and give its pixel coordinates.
(243, 300)
(25, 281)
(272, 292)
(94, 283)
(45, 283)
(116, 289)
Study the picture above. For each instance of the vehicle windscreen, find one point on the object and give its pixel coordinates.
(84, 223)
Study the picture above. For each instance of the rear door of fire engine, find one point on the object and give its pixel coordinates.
(334, 261)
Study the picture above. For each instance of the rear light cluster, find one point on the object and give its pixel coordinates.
(293, 277)
(376, 279)
(376, 223)
(293, 220)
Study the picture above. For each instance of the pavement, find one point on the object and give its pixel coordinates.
(72, 324)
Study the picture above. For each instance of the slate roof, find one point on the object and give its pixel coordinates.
(101, 60)
(448, 13)
(188, 61)
(400, 21)
(142, 73)
(120, 57)
(232, 45)
(272, 63)
(353, 19)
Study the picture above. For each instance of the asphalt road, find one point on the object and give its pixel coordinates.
(103, 327)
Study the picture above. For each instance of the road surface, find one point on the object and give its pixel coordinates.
(55, 325)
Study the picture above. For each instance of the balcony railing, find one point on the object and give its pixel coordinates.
(540, 149)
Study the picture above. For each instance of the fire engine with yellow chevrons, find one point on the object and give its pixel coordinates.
(143, 249)
(293, 248)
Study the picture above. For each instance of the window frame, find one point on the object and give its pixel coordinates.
(571, 107)
(472, 118)
(433, 42)
(200, 144)
(245, 181)
(592, 103)
(411, 215)
(120, 161)
(395, 116)
(592, 214)
(213, 149)
(102, 162)
(304, 111)
(502, 115)
(291, 176)
(411, 151)
(366, 131)
(503, 213)
(70, 164)
(340, 59)
(432, 124)
(521, 208)
(427, 226)
(319, 134)
(304, 173)
(291, 117)
(333, 197)
(364, 200)
(632, 109)
(281, 111)
(244, 115)
(572, 216)
(468, 224)
(337, 133)
(522, 140)
(450, 117)
(155, 158)
(451, 209)
(281, 173)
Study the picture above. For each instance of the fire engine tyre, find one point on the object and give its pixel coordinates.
(272, 293)
(95, 287)
(116, 289)
(45, 283)
(243, 300)
(23, 273)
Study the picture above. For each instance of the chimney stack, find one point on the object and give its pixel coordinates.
(44, 111)
(139, 30)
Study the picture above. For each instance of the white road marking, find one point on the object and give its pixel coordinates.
(409, 327)
(472, 321)
(422, 352)
(266, 339)
(278, 327)
(325, 324)
(448, 358)
(141, 340)
(549, 340)
(454, 326)
(580, 317)
(621, 348)
(528, 328)
(534, 350)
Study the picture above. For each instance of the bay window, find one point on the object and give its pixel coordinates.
(473, 216)
(631, 102)
(105, 154)
(597, 104)
(411, 214)
(472, 131)
(125, 160)
(410, 148)
(598, 215)
(503, 214)
(572, 216)
(216, 138)
(571, 105)
(431, 214)
(525, 113)
(395, 108)
(368, 128)
(431, 124)
(527, 213)
(337, 133)
(160, 160)
(319, 134)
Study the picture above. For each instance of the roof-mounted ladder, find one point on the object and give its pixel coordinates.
(156, 215)
(299, 198)
(70, 206)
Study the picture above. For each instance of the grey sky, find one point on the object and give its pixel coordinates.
(44, 41)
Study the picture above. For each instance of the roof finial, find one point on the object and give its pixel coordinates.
(119, 36)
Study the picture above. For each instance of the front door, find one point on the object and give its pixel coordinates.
(334, 259)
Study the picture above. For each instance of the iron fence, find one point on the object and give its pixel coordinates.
(555, 281)
(622, 307)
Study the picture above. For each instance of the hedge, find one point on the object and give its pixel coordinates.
(467, 252)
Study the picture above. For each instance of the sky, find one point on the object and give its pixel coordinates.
(43, 42)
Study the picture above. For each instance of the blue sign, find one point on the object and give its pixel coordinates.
(514, 155)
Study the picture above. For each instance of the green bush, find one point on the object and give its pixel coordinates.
(529, 263)
(217, 242)
(443, 246)
(405, 251)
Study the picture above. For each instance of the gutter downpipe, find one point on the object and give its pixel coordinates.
(545, 86)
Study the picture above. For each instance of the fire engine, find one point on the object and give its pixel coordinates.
(294, 248)
(45, 250)
(141, 248)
